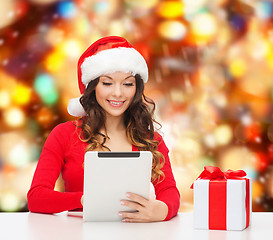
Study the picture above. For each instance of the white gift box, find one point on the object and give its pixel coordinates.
(222, 204)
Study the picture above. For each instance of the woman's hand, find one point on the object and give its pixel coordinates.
(148, 210)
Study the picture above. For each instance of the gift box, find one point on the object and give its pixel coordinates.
(222, 200)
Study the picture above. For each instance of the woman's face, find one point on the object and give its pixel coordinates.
(115, 92)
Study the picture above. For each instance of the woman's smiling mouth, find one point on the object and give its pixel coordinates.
(115, 103)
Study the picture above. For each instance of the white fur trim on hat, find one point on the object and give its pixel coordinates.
(75, 108)
(112, 60)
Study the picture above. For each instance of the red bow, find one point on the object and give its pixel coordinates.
(214, 173)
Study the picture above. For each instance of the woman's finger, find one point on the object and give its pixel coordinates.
(131, 204)
(137, 198)
(132, 215)
(134, 220)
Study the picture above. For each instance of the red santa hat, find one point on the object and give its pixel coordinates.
(106, 55)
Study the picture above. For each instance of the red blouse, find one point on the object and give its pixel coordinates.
(63, 152)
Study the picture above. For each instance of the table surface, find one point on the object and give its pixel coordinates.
(62, 226)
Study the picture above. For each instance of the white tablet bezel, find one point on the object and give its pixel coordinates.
(107, 178)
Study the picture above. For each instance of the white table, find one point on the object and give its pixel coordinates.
(29, 226)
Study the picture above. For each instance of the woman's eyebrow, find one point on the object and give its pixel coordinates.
(112, 78)
(107, 76)
(128, 77)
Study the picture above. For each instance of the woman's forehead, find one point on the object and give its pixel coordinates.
(118, 75)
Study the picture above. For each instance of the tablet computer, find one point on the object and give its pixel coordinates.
(108, 176)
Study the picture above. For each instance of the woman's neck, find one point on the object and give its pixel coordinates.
(114, 124)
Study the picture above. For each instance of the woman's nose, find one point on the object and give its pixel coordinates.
(117, 91)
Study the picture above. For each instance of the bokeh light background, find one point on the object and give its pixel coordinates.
(211, 65)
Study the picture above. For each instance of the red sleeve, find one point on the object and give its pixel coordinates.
(41, 197)
(166, 191)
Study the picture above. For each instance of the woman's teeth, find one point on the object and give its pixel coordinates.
(116, 103)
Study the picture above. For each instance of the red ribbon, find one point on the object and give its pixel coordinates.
(214, 173)
(217, 194)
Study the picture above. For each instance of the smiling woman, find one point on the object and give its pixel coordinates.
(115, 92)
(115, 115)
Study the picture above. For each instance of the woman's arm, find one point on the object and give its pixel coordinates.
(41, 197)
(167, 202)
(166, 190)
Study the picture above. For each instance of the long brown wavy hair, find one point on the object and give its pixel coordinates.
(138, 120)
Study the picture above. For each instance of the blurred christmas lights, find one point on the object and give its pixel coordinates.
(173, 30)
(5, 99)
(55, 61)
(14, 117)
(21, 95)
(9, 201)
(204, 27)
(223, 134)
(264, 9)
(67, 9)
(237, 67)
(72, 48)
(45, 117)
(101, 7)
(19, 156)
(210, 68)
(45, 87)
(170, 9)
(7, 13)
(43, 2)
(143, 4)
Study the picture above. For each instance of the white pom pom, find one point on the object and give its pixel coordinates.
(75, 108)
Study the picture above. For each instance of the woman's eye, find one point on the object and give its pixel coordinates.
(106, 84)
(129, 84)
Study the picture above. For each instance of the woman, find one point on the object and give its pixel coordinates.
(115, 116)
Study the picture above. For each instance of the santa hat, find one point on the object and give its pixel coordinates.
(106, 55)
